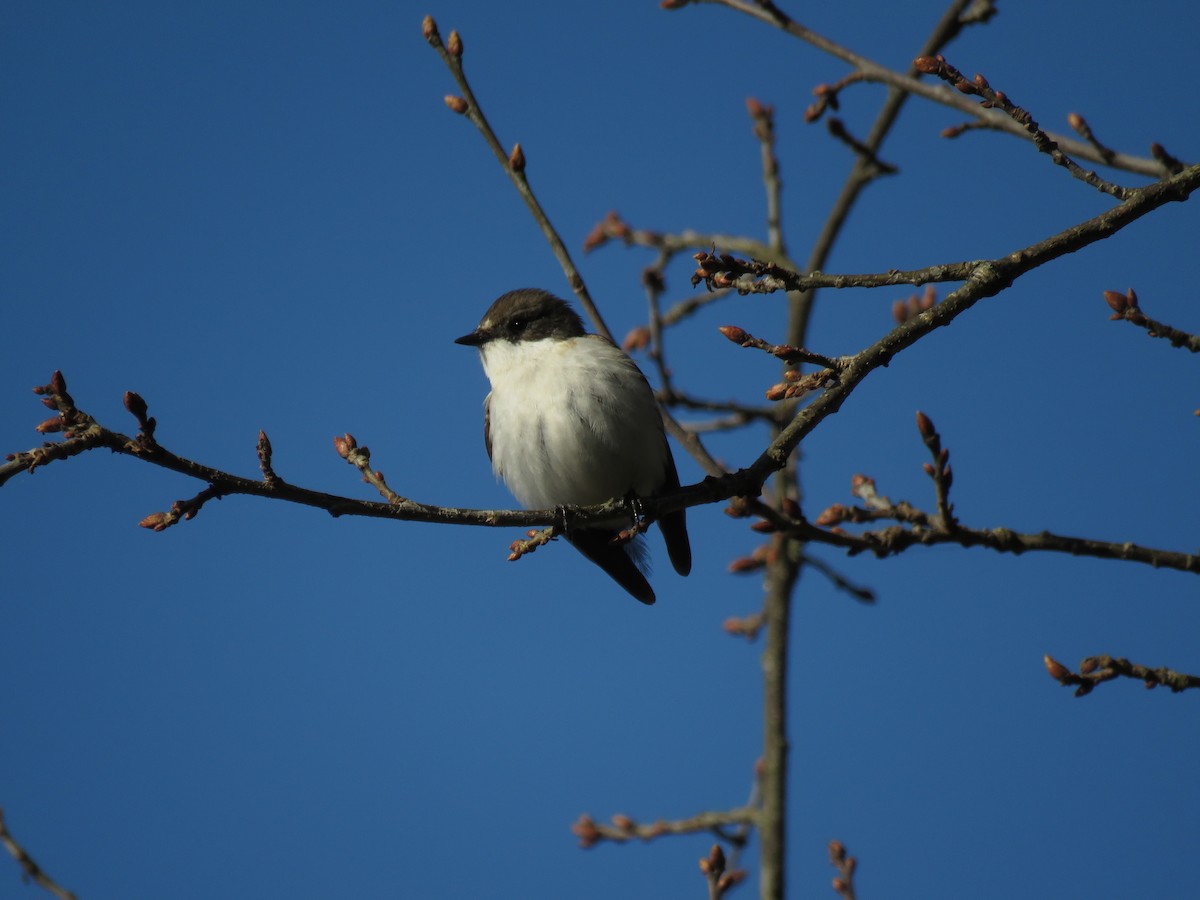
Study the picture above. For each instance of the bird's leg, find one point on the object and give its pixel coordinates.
(637, 522)
(563, 514)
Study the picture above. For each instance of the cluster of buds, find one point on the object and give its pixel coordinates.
(846, 865)
(905, 310)
(939, 470)
(989, 98)
(535, 537)
(180, 510)
(1125, 306)
(713, 868)
(979, 87)
(746, 276)
(431, 34)
(798, 384)
(1082, 683)
(346, 446)
(54, 396)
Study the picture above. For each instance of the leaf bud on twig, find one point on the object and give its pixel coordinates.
(136, 405)
(834, 515)
(429, 29)
(585, 829)
(623, 822)
(457, 104)
(154, 520)
(735, 334)
(837, 851)
(1057, 670)
(637, 339)
(714, 863)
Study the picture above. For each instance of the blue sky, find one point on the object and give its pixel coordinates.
(263, 216)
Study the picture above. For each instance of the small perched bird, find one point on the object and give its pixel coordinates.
(571, 421)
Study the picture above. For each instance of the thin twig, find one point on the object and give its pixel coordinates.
(993, 99)
(874, 72)
(756, 276)
(763, 119)
(846, 865)
(1096, 670)
(1125, 307)
(32, 871)
(513, 164)
(624, 829)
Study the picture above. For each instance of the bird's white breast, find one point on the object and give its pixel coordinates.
(573, 422)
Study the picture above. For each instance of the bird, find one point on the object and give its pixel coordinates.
(571, 421)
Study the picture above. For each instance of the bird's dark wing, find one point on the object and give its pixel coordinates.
(487, 425)
(598, 546)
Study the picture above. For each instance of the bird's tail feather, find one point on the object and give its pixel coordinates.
(624, 563)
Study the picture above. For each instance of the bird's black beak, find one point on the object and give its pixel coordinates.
(474, 339)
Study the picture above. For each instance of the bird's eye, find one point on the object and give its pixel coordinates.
(517, 324)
